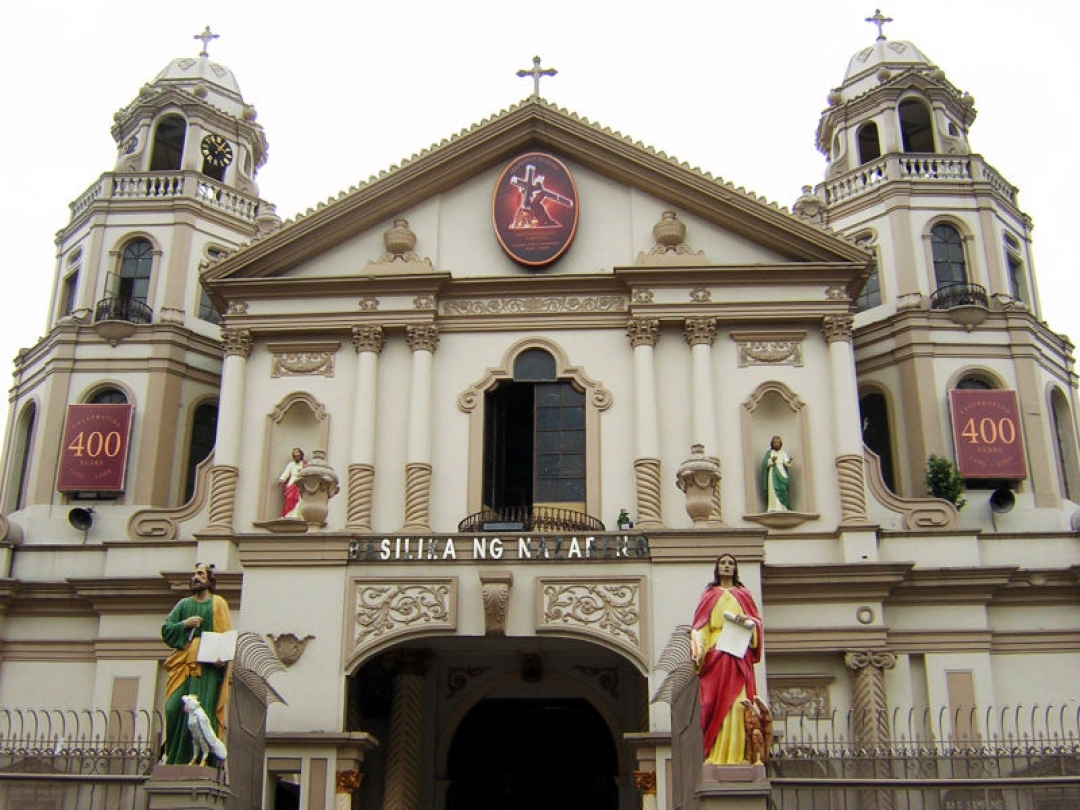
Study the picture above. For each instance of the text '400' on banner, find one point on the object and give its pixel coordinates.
(987, 435)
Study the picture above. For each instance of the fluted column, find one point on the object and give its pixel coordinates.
(871, 721)
(368, 341)
(405, 746)
(643, 334)
(422, 341)
(226, 470)
(845, 410)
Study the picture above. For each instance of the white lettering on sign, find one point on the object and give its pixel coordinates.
(483, 547)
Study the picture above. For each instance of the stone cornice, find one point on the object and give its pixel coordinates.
(952, 586)
(798, 584)
(529, 126)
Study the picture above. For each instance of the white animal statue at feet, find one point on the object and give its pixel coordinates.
(203, 739)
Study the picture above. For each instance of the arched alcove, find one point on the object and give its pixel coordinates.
(771, 410)
(299, 420)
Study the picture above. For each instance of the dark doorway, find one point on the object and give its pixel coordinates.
(533, 755)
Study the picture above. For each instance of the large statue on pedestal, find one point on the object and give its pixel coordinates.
(203, 611)
(726, 640)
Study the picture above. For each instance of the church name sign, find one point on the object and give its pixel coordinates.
(542, 547)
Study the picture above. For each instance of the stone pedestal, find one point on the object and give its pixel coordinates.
(733, 787)
(185, 787)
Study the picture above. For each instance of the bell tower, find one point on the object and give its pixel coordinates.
(953, 301)
(129, 322)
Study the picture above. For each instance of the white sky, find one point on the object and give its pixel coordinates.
(344, 89)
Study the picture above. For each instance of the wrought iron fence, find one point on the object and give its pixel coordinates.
(1027, 758)
(131, 310)
(959, 295)
(92, 759)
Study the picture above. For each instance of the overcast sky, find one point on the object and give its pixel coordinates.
(344, 89)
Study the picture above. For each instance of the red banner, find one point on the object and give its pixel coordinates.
(987, 434)
(534, 209)
(93, 453)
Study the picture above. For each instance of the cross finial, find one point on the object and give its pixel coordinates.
(879, 20)
(536, 72)
(206, 36)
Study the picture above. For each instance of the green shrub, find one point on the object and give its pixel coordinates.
(943, 481)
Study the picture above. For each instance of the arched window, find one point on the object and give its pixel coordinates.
(24, 438)
(869, 144)
(874, 413)
(947, 247)
(1014, 266)
(916, 128)
(1065, 441)
(108, 396)
(203, 435)
(168, 153)
(135, 265)
(973, 382)
(534, 438)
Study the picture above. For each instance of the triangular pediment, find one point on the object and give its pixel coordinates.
(534, 125)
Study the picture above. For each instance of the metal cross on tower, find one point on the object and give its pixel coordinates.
(536, 72)
(206, 36)
(879, 20)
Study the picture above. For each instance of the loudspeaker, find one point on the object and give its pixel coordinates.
(81, 519)
(1002, 500)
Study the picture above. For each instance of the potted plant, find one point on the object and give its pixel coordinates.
(624, 520)
(944, 481)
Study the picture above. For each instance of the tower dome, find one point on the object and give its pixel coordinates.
(879, 62)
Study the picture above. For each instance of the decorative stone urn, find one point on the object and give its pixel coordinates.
(669, 231)
(399, 240)
(698, 477)
(318, 484)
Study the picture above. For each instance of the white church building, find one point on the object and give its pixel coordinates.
(534, 371)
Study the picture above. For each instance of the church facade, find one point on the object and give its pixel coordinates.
(534, 374)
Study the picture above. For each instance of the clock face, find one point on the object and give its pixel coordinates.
(217, 151)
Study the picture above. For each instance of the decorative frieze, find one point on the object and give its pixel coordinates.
(806, 696)
(302, 359)
(769, 349)
(641, 295)
(534, 305)
(701, 295)
(424, 302)
(387, 609)
(608, 609)
(836, 292)
(369, 303)
(643, 331)
(237, 308)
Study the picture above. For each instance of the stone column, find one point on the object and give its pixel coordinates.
(845, 409)
(404, 748)
(368, 341)
(346, 783)
(645, 781)
(226, 470)
(643, 334)
(871, 721)
(700, 334)
(422, 341)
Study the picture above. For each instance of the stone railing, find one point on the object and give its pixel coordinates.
(915, 168)
(167, 185)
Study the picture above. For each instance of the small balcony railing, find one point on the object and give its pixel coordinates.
(540, 519)
(960, 295)
(131, 310)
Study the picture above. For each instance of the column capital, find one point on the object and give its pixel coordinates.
(422, 338)
(348, 782)
(236, 341)
(861, 659)
(368, 339)
(700, 330)
(837, 327)
(643, 331)
(645, 781)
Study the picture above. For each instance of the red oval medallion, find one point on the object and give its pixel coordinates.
(534, 209)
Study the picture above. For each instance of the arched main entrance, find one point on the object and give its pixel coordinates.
(532, 753)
